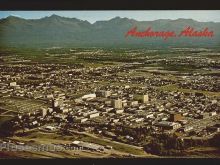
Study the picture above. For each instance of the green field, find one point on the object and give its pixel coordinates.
(174, 87)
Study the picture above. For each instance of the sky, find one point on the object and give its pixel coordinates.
(140, 15)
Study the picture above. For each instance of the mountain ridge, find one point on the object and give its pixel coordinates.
(55, 15)
(56, 30)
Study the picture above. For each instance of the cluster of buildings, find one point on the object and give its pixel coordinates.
(94, 99)
(199, 82)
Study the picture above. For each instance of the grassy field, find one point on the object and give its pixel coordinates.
(174, 87)
(48, 138)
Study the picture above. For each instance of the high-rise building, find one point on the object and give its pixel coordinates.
(145, 98)
(43, 112)
(141, 98)
(56, 104)
(103, 93)
(12, 84)
(175, 117)
(107, 93)
(117, 103)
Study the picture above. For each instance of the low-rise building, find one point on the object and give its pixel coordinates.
(168, 125)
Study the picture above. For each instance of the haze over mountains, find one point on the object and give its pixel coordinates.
(62, 31)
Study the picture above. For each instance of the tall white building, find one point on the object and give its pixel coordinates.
(117, 103)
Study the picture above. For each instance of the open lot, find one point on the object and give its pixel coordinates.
(37, 137)
(20, 105)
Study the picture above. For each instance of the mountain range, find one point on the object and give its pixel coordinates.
(61, 31)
